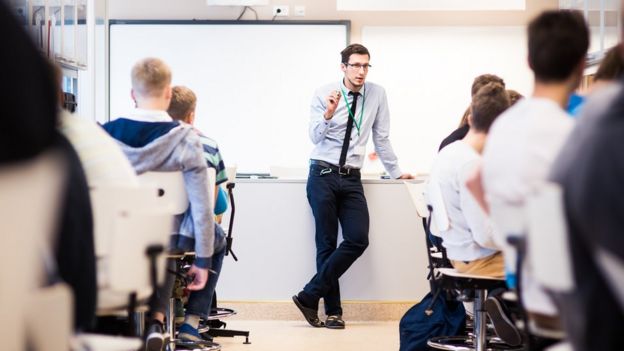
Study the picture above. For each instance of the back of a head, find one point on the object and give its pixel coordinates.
(484, 79)
(487, 104)
(183, 102)
(611, 66)
(558, 43)
(28, 128)
(514, 96)
(150, 77)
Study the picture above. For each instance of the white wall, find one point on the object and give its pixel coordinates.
(428, 73)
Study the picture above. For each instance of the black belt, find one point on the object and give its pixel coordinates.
(341, 170)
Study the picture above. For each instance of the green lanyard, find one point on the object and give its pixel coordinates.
(355, 122)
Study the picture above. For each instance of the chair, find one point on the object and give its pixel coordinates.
(214, 326)
(30, 196)
(436, 255)
(449, 278)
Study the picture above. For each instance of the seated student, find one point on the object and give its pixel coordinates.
(462, 130)
(525, 140)
(182, 108)
(589, 170)
(29, 130)
(153, 141)
(468, 240)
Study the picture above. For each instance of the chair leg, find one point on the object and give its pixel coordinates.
(171, 324)
(479, 320)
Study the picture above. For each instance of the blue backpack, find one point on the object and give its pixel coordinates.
(433, 316)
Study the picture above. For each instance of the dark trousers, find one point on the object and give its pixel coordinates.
(335, 198)
(200, 301)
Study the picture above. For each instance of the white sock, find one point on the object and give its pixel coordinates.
(192, 320)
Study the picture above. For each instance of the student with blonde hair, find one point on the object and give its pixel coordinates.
(153, 141)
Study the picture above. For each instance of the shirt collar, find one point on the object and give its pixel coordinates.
(142, 115)
(346, 90)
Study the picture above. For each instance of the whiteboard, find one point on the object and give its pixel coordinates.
(428, 73)
(254, 80)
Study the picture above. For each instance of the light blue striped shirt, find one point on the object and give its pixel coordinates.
(328, 135)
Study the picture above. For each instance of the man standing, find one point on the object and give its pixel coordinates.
(343, 114)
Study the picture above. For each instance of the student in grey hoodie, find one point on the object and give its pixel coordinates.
(153, 141)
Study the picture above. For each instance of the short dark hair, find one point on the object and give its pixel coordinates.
(358, 49)
(183, 101)
(558, 42)
(487, 104)
(480, 81)
(611, 66)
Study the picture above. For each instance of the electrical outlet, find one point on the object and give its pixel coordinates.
(300, 11)
(280, 10)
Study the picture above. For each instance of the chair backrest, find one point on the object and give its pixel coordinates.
(548, 249)
(171, 189)
(416, 189)
(434, 199)
(30, 195)
(49, 318)
(128, 220)
(231, 174)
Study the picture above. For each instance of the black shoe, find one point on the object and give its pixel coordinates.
(310, 315)
(154, 340)
(504, 327)
(334, 322)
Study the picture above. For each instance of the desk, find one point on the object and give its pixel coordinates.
(274, 241)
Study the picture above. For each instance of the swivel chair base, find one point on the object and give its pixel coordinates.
(213, 325)
(464, 343)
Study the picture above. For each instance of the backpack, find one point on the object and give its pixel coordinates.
(433, 316)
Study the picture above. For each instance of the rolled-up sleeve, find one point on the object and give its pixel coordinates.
(381, 138)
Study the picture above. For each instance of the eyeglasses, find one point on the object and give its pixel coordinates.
(358, 66)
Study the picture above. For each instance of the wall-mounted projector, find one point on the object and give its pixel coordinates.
(237, 2)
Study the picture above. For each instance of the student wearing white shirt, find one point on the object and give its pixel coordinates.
(524, 141)
(468, 239)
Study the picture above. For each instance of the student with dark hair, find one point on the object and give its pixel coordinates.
(462, 130)
(30, 104)
(524, 141)
(343, 115)
(468, 240)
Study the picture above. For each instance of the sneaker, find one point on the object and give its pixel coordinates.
(334, 322)
(188, 334)
(154, 340)
(503, 326)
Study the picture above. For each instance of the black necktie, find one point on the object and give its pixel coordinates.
(347, 138)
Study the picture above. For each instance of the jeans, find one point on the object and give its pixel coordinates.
(335, 198)
(200, 301)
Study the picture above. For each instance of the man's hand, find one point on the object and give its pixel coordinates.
(406, 176)
(332, 101)
(200, 277)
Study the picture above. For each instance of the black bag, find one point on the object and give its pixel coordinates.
(433, 316)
